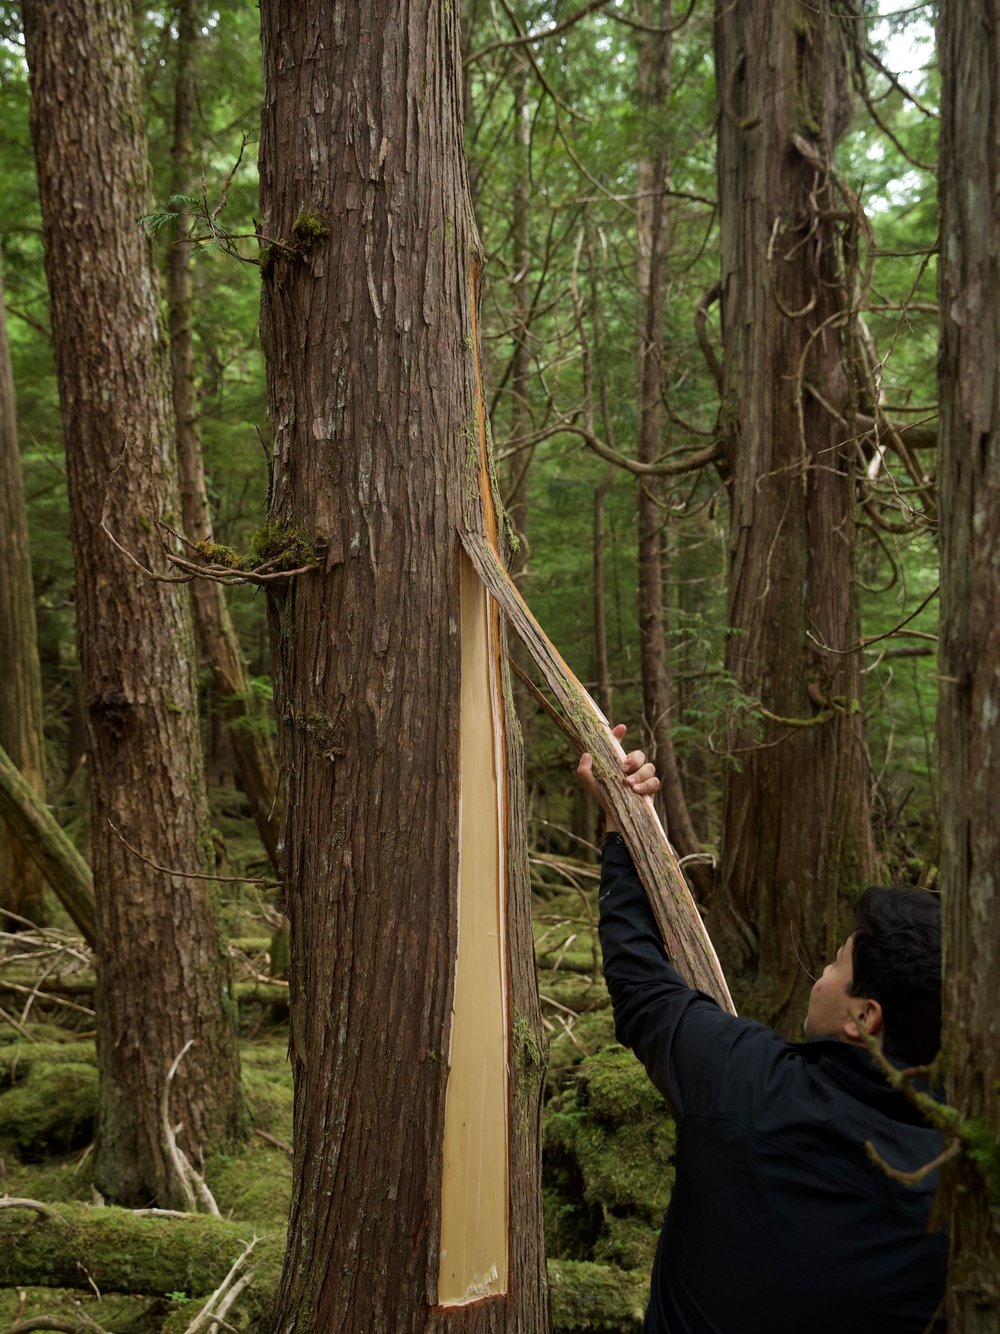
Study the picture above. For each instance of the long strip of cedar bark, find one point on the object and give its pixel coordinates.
(35, 828)
(677, 916)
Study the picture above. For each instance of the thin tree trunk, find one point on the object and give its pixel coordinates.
(968, 731)
(796, 825)
(520, 377)
(655, 54)
(396, 733)
(162, 978)
(21, 882)
(602, 670)
(253, 753)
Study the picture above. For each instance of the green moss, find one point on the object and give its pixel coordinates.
(309, 230)
(53, 1109)
(281, 547)
(983, 1151)
(218, 554)
(596, 1298)
(114, 1313)
(266, 258)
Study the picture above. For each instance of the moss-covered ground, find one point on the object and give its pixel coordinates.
(607, 1148)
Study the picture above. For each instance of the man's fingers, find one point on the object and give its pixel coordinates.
(633, 761)
(643, 780)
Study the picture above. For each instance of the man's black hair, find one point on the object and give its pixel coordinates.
(897, 961)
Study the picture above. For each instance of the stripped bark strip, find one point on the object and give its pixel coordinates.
(677, 917)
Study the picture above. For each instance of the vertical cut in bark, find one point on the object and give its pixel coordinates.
(474, 1188)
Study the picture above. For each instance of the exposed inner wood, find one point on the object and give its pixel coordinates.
(474, 1190)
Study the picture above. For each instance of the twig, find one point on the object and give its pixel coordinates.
(207, 1313)
(8, 1202)
(273, 1139)
(913, 1178)
(49, 1322)
(191, 875)
(189, 1179)
(18, 1027)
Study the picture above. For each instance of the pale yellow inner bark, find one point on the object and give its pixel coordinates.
(474, 1188)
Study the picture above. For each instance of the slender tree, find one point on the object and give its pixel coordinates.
(162, 980)
(796, 825)
(655, 56)
(253, 753)
(414, 1025)
(969, 708)
(21, 881)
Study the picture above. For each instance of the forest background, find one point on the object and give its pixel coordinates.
(593, 138)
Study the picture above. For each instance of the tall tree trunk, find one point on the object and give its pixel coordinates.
(162, 979)
(396, 732)
(968, 731)
(21, 882)
(655, 54)
(796, 825)
(253, 753)
(520, 376)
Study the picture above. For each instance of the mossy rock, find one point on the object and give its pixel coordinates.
(619, 1090)
(627, 1241)
(588, 1298)
(52, 1110)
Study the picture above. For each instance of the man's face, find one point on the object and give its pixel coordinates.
(832, 1012)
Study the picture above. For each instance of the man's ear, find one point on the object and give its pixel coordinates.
(866, 1020)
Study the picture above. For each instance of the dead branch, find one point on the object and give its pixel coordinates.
(701, 332)
(273, 1139)
(217, 1305)
(913, 1178)
(8, 1202)
(188, 1178)
(190, 875)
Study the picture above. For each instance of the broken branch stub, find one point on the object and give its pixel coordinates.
(683, 932)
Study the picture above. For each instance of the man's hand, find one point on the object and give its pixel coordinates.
(640, 777)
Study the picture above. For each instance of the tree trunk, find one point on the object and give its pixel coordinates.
(655, 55)
(21, 882)
(968, 734)
(162, 979)
(253, 753)
(796, 827)
(395, 724)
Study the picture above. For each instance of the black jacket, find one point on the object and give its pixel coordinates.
(779, 1223)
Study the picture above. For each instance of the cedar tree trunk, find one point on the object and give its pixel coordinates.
(969, 656)
(253, 753)
(162, 979)
(796, 828)
(395, 722)
(21, 881)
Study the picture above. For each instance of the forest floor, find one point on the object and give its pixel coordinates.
(607, 1141)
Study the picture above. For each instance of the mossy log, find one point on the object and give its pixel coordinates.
(35, 827)
(76, 1246)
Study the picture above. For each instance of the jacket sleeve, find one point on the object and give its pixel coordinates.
(691, 1048)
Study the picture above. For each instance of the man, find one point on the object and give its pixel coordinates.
(779, 1221)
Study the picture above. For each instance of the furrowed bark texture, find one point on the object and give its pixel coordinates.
(969, 653)
(253, 753)
(21, 882)
(162, 979)
(368, 330)
(796, 827)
